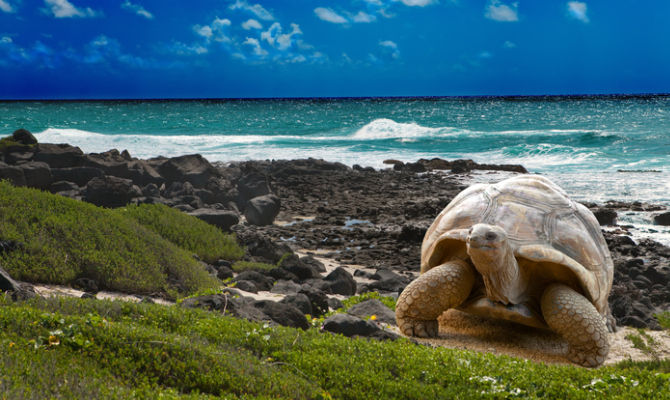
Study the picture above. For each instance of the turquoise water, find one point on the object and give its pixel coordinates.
(582, 143)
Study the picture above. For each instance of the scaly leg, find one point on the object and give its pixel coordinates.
(427, 297)
(573, 317)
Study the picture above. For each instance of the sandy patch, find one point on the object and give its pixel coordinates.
(464, 331)
(57, 290)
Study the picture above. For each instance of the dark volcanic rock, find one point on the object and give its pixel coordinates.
(110, 191)
(247, 286)
(24, 136)
(59, 155)
(192, 168)
(283, 314)
(295, 265)
(238, 306)
(262, 210)
(349, 325)
(37, 174)
(374, 307)
(605, 216)
(341, 282)
(79, 175)
(13, 174)
(299, 301)
(318, 300)
(261, 281)
(221, 218)
(662, 219)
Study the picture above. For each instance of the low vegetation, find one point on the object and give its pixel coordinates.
(123, 250)
(187, 232)
(74, 348)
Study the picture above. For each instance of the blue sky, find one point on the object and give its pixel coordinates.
(289, 48)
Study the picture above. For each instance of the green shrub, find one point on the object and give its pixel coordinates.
(187, 232)
(65, 239)
(353, 300)
(240, 266)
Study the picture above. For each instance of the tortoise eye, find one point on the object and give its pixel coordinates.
(490, 236)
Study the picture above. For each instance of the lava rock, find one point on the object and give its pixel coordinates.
(7, 284)
(662, 219)
(223, 219)
(341, 282)
(261, 281)
(318, 300)
(59, 155)
(283, 314)
(192, 168)
(262, 210)
(284, 286)
(299, 301)
(349, 325)
(293, 264)
(24, 136)
(247, 286)
(605, 216)
(374, 307)
(37, 174)
(110, 191)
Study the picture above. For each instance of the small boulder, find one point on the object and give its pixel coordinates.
(262, 210)
(261, 281)
(13, 174)
(247, 286)
(294, 264)
(284, 286)
(349, 325)
(341, 282)
(299, 301)
(374, 307)
(662, 219)
(192, 168)
(318, 300)
(24, 136)
(220, 218)
(283, 314)
(605, 216)
(110, 191)
(79, 175)
(37, 174)
(59, 155)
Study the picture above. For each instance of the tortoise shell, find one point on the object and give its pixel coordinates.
(555, 237)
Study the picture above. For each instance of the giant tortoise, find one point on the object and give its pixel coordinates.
(519, 250)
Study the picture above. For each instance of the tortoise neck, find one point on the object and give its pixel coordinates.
(500, 272)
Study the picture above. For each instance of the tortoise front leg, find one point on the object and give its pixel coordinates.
(427, 297)
(573, 317)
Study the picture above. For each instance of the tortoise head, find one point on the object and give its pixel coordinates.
(493, 257)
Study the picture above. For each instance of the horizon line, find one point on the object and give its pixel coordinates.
(514, 96)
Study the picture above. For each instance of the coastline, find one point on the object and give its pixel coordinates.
(356, 216)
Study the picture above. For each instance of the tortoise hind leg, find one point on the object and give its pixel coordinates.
(573, 317)
(427, 297)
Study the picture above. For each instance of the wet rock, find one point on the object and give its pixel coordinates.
(262, 210)
(662, 219)
(374, 307)
(605, 216)
(222, 219)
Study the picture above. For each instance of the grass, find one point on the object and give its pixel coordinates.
(187, 232)
(240, 266)
(75, 348)
(65, 239)
(645, 343)
(9, 141)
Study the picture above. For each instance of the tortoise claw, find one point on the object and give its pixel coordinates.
(419, 328)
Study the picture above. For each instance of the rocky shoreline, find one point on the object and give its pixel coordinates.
(371, 219)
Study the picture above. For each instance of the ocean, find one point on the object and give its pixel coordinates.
(598, 148)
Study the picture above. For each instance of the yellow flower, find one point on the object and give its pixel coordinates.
(11, 344)
(373, 317)
(53, 340)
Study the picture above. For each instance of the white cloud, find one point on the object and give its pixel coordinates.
(137, 9)
(498, 11)
(65, 9)
(417, 3)
(279, 40)
(329, 15)
(577, 10)
(509, 45)
(6, 7)
(255, 9)
(390, 49)
(251, 24)
(255, 46)
(363, 17)
(6, 40)
(216, 31)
